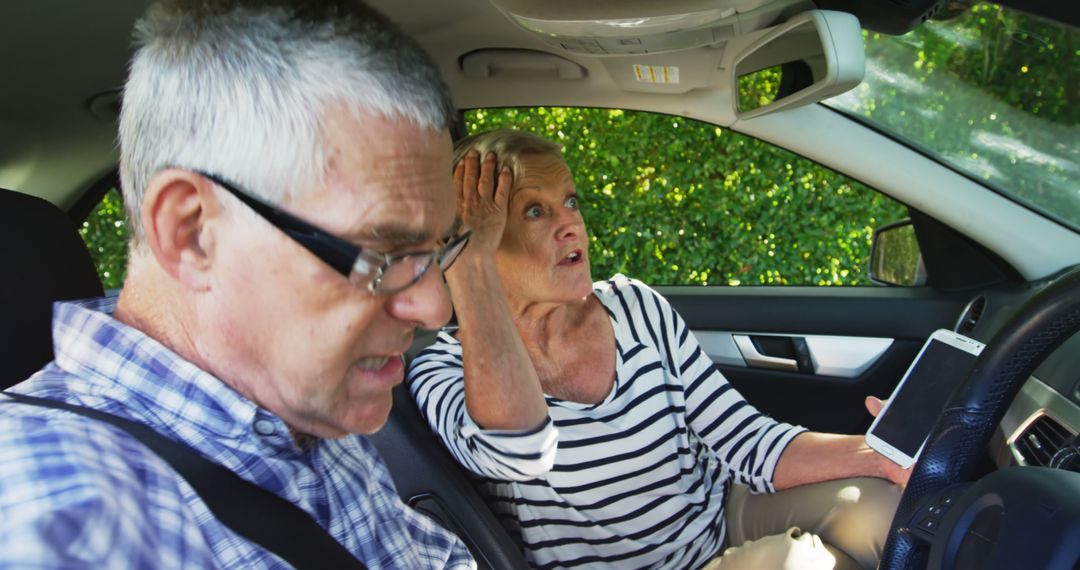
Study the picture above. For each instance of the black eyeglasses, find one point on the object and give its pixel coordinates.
(382, 273)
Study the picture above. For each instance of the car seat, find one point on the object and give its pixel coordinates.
(431, 481)
(44, 260)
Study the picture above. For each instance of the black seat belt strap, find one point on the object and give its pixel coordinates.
(247, 509)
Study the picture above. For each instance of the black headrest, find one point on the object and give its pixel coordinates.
(43, 260)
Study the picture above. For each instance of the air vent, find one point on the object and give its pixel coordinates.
(1041, 440)
(970, 316)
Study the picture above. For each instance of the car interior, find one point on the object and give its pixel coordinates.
(991, 266)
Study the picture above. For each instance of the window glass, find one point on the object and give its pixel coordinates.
(106, 236)
(759, 88)
(669, 201)
(673, 201)
(992, 92)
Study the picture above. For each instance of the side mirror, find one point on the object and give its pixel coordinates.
(813, 56)
(895, 258)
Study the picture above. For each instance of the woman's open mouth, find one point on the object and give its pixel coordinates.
(575, 257)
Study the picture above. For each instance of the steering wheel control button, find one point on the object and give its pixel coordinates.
(929, 524)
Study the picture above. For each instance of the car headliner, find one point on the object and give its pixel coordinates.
(66, 59)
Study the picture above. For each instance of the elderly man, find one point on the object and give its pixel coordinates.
(286, 172)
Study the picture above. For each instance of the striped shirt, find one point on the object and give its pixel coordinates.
(639, 480)
(79, 493)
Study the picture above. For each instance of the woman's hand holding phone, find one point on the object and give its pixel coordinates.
(890, 470)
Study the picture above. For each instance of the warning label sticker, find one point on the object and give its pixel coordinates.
(664, 74)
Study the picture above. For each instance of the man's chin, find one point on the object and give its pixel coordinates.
(373, 426)
(365, 418)
(371, 416)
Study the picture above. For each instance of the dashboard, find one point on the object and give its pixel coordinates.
(1045, 416)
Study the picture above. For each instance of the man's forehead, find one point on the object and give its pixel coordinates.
(390, 220)
(401, 235)
(380, 215)
(393, 190)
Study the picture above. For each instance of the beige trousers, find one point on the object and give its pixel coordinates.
(837, 524)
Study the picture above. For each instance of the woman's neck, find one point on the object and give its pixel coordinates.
(539, 323)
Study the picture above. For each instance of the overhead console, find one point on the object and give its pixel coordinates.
(638, 27)
(674, 47)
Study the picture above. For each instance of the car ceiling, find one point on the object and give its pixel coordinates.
(57, 56)
(57, 130)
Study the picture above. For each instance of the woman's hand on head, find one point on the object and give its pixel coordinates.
(483, 195)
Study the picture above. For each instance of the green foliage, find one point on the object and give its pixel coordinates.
(995, 92)
(897, 259)
(675, 202)
(1024, 62)
(106, 236)
(672, 201)
(759, 88)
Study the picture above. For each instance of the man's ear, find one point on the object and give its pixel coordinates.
(176, 210)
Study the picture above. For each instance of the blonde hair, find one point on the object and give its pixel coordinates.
(509, 146)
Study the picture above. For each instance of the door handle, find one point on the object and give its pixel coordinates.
(754, 358)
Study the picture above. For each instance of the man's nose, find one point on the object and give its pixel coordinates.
(426, 304)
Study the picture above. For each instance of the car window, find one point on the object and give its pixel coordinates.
(668, 200)
(673, 201)
(991, 92)
(106, 236)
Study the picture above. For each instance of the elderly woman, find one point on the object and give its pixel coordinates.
(603, 436)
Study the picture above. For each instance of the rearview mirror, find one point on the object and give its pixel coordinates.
(895, 257)
(813, 56)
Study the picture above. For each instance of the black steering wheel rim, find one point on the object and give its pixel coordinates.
(965, 427)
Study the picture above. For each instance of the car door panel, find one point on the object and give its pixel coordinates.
(826, 355)
(814, 352)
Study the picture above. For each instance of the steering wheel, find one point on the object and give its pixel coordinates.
(942, 524)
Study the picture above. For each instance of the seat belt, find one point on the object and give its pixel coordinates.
(247, 509)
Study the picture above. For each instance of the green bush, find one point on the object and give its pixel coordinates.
(673, 201)
(676, 202)
(994, 91)
(106, 236)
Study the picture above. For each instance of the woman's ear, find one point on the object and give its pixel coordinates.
(177, 211)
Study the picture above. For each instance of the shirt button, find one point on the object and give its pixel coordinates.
(264, 427)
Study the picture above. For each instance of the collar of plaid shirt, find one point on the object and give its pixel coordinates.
(104, 364)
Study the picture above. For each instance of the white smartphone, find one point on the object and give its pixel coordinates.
(901, 429)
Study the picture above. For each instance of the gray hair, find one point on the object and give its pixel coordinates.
(241, 88)
(509, 146)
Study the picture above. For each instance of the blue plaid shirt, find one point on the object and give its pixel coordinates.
(75, 492)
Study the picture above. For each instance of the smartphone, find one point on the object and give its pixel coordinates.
(901, 429)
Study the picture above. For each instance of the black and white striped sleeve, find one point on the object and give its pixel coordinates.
(436, 380)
